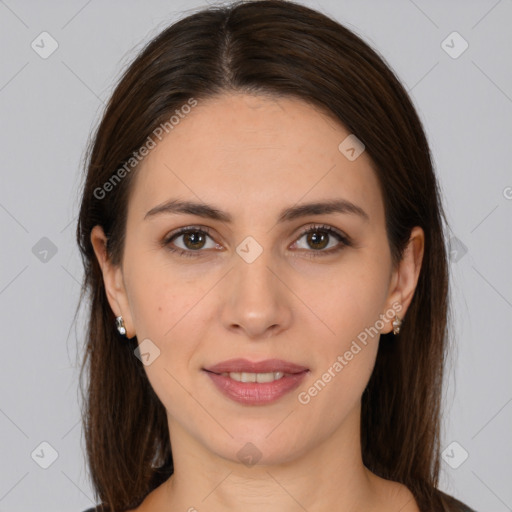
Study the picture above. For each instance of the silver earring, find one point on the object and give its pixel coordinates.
(397, 323)
(120, 325)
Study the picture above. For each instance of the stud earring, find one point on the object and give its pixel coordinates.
(397, 323)
(120, 325)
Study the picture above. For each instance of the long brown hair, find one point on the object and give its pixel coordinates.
(284, 49)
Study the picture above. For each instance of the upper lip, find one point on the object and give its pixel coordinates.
(267, 366)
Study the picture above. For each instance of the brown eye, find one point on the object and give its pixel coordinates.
(317, 239)
(320, 237)
(194, 239)
(192, 243)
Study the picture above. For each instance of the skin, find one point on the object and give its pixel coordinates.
(240, 152)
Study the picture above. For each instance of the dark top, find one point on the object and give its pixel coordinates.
(460, 507)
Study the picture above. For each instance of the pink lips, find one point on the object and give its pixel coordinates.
(256, 393)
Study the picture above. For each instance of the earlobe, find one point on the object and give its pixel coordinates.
(112, 279)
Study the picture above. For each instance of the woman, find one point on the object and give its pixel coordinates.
(262, 235)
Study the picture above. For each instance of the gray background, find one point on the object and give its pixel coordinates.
(48, 109)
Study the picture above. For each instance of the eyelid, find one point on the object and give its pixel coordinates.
(186, 229)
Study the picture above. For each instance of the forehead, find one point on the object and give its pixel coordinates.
(244, 151)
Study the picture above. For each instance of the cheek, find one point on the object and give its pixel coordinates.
(165, 310)
(346, 357)
(161, 298)
(346, 302)
(350, 310)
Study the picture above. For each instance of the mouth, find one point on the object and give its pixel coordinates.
(256, 383)
(254, 377)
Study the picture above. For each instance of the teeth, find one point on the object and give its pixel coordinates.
(254, 377)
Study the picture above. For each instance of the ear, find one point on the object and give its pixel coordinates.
(113, 280)
(405, 278)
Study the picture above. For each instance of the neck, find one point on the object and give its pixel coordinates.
(327, 475)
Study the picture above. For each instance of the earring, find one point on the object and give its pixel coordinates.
(397, 323)
(120, 325)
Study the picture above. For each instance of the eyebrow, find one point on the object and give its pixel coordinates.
(176, 206)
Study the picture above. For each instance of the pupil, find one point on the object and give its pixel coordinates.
(196, 236)
(313, 236)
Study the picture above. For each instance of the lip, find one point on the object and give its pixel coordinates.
(256, 393)
(244, 365)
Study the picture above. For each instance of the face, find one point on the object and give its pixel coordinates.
(256, 286)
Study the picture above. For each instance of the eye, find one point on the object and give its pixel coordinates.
(320, 237)
(193, 240)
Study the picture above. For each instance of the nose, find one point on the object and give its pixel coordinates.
(257, 301)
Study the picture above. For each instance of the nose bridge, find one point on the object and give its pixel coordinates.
(256, 300)
(253, 279)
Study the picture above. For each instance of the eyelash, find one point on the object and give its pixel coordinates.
(345, 240)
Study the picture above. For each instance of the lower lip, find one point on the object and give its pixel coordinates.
(255, 393)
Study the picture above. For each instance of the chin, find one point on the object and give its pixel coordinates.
(260, 446)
